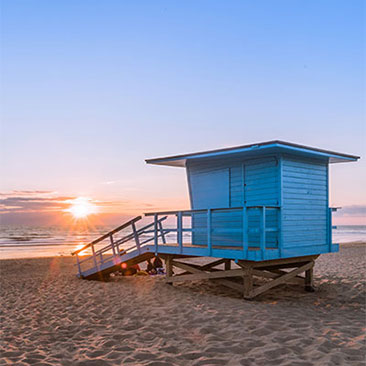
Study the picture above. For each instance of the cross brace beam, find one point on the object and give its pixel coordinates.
(229, 277)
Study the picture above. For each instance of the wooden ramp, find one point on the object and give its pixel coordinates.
(97, 259)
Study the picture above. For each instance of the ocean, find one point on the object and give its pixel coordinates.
(33, 241)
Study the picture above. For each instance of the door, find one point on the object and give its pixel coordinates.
(261, 188)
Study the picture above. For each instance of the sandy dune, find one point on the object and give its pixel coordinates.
(49, 317)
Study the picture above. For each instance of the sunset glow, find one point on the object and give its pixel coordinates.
(84, 252)
(81, 207)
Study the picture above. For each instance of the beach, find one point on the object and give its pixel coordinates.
(50, 317)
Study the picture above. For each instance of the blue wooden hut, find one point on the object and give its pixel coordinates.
(263, 206)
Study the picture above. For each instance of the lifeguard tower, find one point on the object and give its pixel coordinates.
(261, 211)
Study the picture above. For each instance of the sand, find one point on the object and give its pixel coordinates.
(49, 317)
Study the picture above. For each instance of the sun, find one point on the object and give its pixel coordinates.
(81, 207)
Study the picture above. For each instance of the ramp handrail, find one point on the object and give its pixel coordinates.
(105, 236)
(114, 245)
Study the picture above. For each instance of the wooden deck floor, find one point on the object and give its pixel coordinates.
(204, 246)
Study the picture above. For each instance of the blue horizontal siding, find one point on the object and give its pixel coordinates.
(261, 182)
(304, 205)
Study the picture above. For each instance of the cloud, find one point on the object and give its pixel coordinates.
(110, 182)
(48, 201)
(352, 211)
(30, 202)
(38, 207)
(25, 193)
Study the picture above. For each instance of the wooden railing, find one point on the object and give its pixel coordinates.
(207, 230)
(115, 248)
(109, 234)
(222, 233)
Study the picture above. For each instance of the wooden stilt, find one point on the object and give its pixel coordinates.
(169, 269)
(227, 264)
(309, 279)
(247, 282)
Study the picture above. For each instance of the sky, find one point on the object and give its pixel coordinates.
(89, 89)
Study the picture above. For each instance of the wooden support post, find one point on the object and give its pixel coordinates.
(180, 231)
(309, 279)
(227, 264)
(169, 269)
(247, 282)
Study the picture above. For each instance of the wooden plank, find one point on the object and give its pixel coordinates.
(195, 270)
(206, 267)
(299, 280)
(280, 280)
(213, 264)
(186, 267)
(207, 275)
(277, 273)
(200, 268)
(228, 283)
